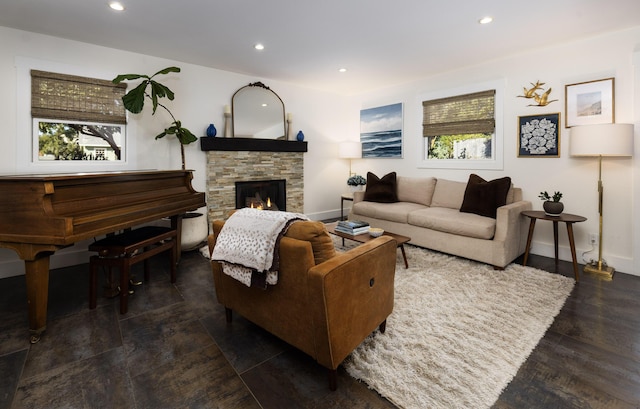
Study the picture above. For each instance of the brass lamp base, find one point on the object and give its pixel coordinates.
(605, 273)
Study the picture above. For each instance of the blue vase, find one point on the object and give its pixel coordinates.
(212, 131)
(300, 136)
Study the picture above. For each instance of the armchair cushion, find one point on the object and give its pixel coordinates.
(317, 235)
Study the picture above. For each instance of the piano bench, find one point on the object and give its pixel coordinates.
(126, 249)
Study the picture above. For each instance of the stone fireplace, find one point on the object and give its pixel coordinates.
(231, 160)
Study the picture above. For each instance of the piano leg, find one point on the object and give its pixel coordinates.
(37, 276)
(176, 224)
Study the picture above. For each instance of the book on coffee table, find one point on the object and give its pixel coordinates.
(353, 223)
(352, 227)
(354, 231)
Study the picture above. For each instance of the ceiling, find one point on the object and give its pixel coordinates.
(380, 42)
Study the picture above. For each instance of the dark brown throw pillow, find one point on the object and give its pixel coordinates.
(484, 198)
(382, 190)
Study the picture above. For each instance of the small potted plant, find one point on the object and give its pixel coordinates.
(552, 205)
(356, 182)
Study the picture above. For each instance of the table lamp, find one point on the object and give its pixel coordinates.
(350, 150)
(611, 140)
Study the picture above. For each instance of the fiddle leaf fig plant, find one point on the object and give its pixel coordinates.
(151, 89)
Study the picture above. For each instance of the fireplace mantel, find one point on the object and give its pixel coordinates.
(251, 144)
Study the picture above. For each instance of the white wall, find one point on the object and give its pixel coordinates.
(325, 118)
(201, 94)
(596, 58)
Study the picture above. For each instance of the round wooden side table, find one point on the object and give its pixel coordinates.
(568, 219)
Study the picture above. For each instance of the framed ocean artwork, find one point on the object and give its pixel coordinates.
(381, 131)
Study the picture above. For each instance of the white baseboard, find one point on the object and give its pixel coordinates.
(328, 215)
(79, 254)
(621, 264)
(65, 258)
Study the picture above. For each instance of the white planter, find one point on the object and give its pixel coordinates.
(194, 231)
(358, 188)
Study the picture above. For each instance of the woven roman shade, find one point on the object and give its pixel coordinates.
(70, 97)
(460, 114)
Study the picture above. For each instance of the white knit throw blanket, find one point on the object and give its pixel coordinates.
(247, 245)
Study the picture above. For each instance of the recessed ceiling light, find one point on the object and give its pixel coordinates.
(485, 20)
(259, 46)
(116, 6)
(342, 70)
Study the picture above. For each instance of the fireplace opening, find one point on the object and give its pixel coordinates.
(262, 194)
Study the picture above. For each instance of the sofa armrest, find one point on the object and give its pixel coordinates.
(351, 294)
(358, 196)
(509, 222)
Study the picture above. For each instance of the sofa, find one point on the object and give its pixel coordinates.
(479, 220)
(324, 303)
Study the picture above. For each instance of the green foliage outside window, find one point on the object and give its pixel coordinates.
(443, 146)
(60, 141)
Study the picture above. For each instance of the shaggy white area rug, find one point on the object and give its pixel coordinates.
(459, 330)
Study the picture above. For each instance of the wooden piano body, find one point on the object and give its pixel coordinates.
(40, 214)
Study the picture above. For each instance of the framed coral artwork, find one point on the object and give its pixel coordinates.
(539, 135)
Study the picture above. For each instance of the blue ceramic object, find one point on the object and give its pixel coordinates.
(300, 136)
(212, 131)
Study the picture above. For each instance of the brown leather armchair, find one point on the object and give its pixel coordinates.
(325, 303)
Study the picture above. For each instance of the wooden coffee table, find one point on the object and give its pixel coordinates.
(365, 237)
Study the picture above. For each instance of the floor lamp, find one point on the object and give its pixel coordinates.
(612, 140)
(350, 150)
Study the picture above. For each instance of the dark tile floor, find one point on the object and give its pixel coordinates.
(174, 350)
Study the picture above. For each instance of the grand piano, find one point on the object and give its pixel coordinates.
(40, 214)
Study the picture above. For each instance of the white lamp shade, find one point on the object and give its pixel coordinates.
(602, 140)
(350, 150)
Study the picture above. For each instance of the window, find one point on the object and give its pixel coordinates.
(462, 130)
(76, 118)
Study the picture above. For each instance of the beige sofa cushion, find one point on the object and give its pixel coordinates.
(395, 212)
(511, 195)
(448, 193)
(416, 190)
(453, 221)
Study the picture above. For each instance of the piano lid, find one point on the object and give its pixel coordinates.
(61, 209)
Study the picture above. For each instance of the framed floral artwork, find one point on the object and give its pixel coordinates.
(588, 103)
(539, 136)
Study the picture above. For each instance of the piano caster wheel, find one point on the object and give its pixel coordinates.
(35, 336)
(131, 291)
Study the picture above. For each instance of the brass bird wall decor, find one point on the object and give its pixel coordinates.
(532, 93)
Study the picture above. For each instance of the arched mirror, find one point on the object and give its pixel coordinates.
(257, 112)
